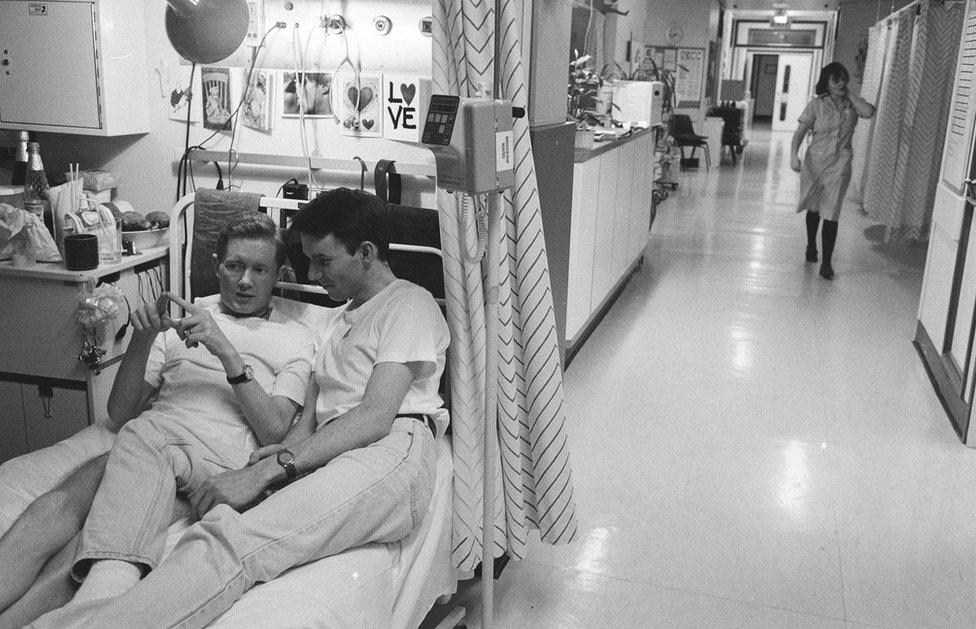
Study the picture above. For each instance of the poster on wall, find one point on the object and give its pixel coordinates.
(176, 89)
(359, 102)
(688, 68)
(217, 97)
(689, 76)
(310, 90)
(258, 106)
(405, 99)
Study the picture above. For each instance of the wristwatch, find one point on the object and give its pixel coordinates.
(246, 376)
(287, 460)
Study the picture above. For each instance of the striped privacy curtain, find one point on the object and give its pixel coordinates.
(534, 485)
(902, 151)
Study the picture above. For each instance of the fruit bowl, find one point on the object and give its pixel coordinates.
(144, 238)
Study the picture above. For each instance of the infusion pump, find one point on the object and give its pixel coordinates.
(473, 142)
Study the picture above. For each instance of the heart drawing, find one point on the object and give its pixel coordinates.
(408, 92)
(364, 95)
(368, 124)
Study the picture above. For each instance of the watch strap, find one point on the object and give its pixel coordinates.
(245, 375)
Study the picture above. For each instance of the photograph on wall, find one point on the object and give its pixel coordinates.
(258, 107)
(308, 91)
(359, 104)
(176, 89)
(217, 98)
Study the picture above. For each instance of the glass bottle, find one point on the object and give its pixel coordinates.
(36, 186)
(20, 160)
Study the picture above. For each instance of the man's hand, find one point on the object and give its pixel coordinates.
(151, 319)
(264, 452)
(199, 327)
(795, 164)
(238, 489)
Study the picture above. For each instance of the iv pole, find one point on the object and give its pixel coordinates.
(492, 255)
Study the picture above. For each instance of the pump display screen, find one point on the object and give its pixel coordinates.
(440, 119)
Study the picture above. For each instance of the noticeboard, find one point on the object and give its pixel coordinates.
(688, 66)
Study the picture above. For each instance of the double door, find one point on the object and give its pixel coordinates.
(947, 308)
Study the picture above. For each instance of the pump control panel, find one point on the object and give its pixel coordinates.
(473, 143)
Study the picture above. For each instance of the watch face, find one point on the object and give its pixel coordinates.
(248, 372)
(285, 457)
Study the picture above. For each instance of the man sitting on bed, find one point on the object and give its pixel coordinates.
(196, 396)
(359, 465)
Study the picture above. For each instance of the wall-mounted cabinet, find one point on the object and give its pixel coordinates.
(74, 66)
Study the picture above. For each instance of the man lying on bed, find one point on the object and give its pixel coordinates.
(361, 458)
(218, 384)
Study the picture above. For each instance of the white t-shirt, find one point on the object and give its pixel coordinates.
(400, 324)
(192, 386)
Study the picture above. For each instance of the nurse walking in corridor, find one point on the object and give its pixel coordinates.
(825, 172)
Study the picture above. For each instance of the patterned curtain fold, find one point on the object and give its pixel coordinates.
(534, 481)
(874, 66)
(902, 150)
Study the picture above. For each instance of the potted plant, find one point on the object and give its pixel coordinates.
(583, 89)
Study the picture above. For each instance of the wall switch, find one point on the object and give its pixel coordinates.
(255, 26)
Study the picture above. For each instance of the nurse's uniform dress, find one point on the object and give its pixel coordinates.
(826, 171)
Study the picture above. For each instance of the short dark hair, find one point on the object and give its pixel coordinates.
(351, 216)
(834, 70)
(253, 225)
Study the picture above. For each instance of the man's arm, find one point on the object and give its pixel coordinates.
(130, 391)
(269, 417)
(366, 423)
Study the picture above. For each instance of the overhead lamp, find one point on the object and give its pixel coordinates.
(206, 31)
(780, 19)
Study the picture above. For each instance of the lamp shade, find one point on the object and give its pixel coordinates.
(205, 31)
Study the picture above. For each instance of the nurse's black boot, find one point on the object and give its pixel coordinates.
(813, 222)
(829, 237)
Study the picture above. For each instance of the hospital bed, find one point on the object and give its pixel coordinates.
(377, 585)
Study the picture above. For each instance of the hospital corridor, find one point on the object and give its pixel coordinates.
(753, 445)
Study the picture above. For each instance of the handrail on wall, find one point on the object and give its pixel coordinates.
(317, 163)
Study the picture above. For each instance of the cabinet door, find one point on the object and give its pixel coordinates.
(52, 414)
(49, 77)
(621, 212)
(586, 202)
(13, 437)
(603, 243)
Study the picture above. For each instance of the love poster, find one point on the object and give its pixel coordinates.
(405, 99)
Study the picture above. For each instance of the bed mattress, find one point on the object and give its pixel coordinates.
(377, 585)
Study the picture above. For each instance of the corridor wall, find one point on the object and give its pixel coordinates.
(909, 73)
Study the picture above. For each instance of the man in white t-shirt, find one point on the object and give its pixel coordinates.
(197, 396)
(359, 465)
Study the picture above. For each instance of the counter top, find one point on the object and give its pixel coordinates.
(55, 271)
(583, 155)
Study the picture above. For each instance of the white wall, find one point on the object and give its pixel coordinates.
(855, 18)
(147, 163)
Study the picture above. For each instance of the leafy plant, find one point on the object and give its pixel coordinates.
(584, 85)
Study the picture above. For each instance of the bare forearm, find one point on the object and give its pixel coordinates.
(269, 420)
(355, 429)
(797, 141)
(862, 108)
(128, 390)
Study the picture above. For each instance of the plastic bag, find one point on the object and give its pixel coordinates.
(21, 232)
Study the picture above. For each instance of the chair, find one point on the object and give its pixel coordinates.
(684, 135)
(732, 131)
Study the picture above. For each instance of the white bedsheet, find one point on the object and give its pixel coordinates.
(377, 585)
